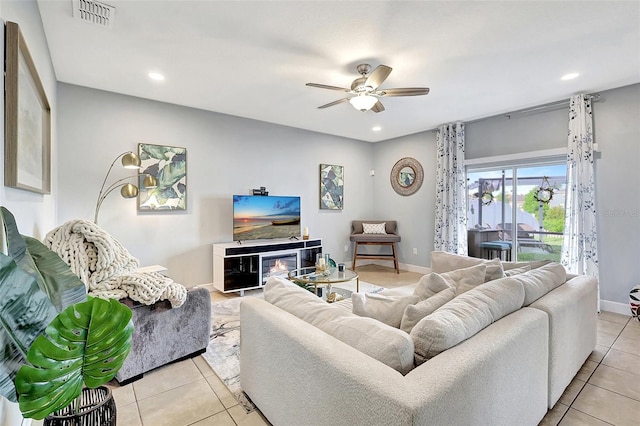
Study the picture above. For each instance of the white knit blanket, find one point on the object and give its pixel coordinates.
(107, 269)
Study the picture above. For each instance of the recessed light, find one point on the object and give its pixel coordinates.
(569, 76)
(156, 76)
(376, 128)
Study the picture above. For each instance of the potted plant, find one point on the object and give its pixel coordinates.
(53, 338)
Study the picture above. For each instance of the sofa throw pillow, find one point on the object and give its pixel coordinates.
(387, 309)
(388, 345)
(515, 271)
(463, 279)
(534, 264)
(444, 262)
(464, 316)
(541, 281)
(374, 228)
(414, 313)
(432, 284)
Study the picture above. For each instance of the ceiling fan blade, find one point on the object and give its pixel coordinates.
(330, 104)
(378, 107)
(324, 86)
(407, 91)
(378, 76)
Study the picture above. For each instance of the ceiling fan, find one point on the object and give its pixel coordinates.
(365, 91)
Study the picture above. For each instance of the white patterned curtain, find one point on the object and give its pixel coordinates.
(451, 195)
(579, 247)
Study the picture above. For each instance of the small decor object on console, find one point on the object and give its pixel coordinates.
(168, 165)
(331, 187)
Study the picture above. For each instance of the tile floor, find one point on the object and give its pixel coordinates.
(605, 391)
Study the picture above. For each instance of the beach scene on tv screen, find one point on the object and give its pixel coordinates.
(265, 217)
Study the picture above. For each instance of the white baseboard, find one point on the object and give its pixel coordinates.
(615, 307)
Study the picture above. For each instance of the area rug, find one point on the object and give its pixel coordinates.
(223, 351)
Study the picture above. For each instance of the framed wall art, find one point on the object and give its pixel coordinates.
(331, 187)
(27, 146)
(168, 164)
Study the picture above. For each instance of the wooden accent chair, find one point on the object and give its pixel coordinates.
(390, 238)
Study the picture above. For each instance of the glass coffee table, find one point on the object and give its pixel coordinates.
(308, 276)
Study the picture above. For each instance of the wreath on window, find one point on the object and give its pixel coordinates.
(544, 193)
(487, 198)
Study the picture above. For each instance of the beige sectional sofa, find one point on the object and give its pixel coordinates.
(307, 362)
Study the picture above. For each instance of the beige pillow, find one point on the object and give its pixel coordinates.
(388, 345)
(464, 316)
(534, 264)
(515, 271)
(414, 313)
(464, 279)
(541, 281)
(374, 228)
(432, 284)
(387, 309)
(444, 262)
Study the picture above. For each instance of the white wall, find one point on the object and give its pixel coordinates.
(226, 155)
(35, 213)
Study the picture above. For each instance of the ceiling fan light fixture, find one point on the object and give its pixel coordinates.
(363, 102)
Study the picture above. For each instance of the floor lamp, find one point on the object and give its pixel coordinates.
(127, 190)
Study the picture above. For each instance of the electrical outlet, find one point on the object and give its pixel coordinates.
(415, 250)
(346, 248)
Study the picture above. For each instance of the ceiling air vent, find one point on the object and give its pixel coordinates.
(94, 12)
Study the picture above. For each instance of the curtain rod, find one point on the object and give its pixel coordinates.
(595, 97)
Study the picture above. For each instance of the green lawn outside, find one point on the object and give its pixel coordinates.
(556, 244)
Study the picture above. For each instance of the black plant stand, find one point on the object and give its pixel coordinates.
(96, 408)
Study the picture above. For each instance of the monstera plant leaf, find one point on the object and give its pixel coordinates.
(35, 284)
(87, 342)
(25, 312)
(52, 274)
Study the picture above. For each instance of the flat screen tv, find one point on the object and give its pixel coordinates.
(257, 217)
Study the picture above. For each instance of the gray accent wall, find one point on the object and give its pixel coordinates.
(226, 155)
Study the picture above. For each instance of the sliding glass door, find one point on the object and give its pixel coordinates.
(516, 212)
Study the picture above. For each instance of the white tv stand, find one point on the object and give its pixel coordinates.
(240, 266)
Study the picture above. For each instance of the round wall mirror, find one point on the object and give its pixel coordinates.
(407, 176)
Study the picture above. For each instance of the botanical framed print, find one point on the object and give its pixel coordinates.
(168, 164)
(331, 187)
(27, 146)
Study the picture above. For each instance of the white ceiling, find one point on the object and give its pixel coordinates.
(253, 58)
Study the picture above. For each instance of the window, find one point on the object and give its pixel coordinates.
(504, 209)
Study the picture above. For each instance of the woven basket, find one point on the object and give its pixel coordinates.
(96, 408)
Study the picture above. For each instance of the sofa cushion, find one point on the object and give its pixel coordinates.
(388, 345)
(463, 279)
(388, 309)
(414, 313)
(464, 316)
(534, 264)
(541, 281)
(444, 262)
(515, 271)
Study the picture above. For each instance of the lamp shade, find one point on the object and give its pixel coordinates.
(130, 161)
(150, 182)
(363, 102)
(129, 190)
